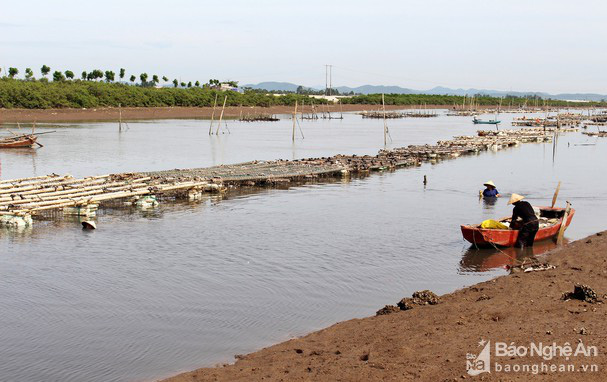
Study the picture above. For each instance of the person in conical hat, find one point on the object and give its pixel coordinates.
(490, 190)
(523, 219)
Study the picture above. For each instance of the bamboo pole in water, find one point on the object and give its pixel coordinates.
(119, 117)
(213, 115)
(383, 104)
(294, 122)
(221, 115)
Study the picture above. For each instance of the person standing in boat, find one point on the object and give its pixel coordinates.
(490, 190)
(529, 224)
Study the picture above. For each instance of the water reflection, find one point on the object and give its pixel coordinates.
(486, 259)
(489, 202)
(24, 155)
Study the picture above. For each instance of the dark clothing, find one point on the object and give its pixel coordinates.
(526, 235)
(523, 210)
(488, 193)
(528, 229)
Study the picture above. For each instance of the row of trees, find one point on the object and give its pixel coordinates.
(109, 76)
(16, 93)
(456, 101)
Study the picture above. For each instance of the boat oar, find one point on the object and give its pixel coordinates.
(556, 194)
(40, 144)
(559, 239)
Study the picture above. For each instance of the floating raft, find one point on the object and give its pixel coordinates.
(601, 134)
(396, 115)
(20, 199)
(258, 117)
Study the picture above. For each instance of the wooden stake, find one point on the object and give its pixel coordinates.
(221, 115)
(383, 103)
(213, 115)
(294, 122)
(559, 240)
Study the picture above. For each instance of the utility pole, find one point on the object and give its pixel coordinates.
(330, 78)
(326, 79)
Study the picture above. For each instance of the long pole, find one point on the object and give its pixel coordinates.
(213, 115)
(119, 117)
(559, 239)
(556, 194)
(221, 115)
(383, 103)
(294, 122)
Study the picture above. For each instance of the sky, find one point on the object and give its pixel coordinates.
(554, 46)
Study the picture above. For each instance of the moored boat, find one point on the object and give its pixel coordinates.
(477, 121)
(18, 141)
(551, 220)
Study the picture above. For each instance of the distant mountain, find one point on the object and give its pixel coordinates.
(274, 86)
(374, 89)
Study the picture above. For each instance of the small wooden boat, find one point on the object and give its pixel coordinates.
(483, 122)
(18, 141)
(551, 220)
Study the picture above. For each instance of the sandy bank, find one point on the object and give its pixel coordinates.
(430, 342)
(141, 113)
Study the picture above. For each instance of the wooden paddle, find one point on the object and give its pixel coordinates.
(559, 239)
(556, 194)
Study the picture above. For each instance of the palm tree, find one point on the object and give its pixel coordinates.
(183, 84)
(133, 78)
(84, 75)
(175, 82)
(29, 73)
(155, 79)
(190, 84)
(165, 78)
(122, 73)
(69, 74)
(197, 84)
(144, 78)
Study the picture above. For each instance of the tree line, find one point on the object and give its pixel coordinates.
(459, 101)
(109, 76)
(78, 93)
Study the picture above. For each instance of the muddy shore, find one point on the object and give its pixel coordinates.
(143, 113)
(431, 342)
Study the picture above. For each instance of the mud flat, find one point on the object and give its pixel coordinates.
(143, 113)
(431, 342)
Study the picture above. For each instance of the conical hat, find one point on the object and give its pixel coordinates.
(515, 198)
(489, 183)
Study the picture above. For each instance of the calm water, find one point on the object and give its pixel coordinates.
(150, 294)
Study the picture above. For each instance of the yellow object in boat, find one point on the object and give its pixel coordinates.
(493, 224)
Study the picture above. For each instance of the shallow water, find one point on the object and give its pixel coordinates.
(150, 294)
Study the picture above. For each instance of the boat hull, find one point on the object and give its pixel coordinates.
(507, 237)
(19, 143)
(479, 122)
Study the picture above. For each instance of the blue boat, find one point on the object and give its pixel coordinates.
(488, 122)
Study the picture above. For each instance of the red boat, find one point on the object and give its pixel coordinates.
(18, 142)
(551, 220)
